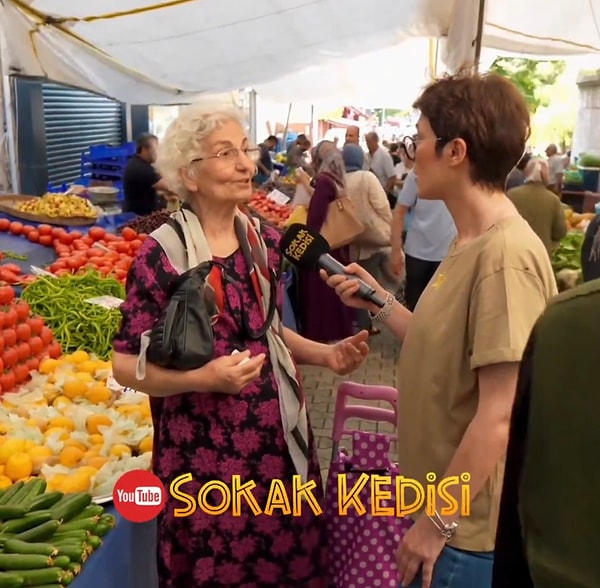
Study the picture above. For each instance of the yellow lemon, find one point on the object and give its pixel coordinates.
(48, 366)
(74, 389)
(60, 402)
(54, 483)
(75, 483)
(10, 447)
(146, 444)
(5, 482)
(74, 443)
(58, 432)
(40, 456)
(62, 422)
(88, 470)
(78, 356)
(28, 445)
(98, 393)
(95, 421)
(97, 462)
(18, 466)
(71, 456)
(84, 377)
(119, 450)
(96, 439)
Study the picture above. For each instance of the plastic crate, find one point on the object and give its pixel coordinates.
(110, 151)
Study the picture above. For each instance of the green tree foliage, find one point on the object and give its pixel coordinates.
(531, 77)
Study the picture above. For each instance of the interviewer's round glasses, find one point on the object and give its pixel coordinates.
(231, 154)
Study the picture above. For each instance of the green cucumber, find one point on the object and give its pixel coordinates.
(45, 501)
(20, 561)
(39, 577)
(61, 561)
(9, 512)
(49, 586)
(40, 533)
(75, 568)
(102, 530)
(108, 520)
(76, 553)
(32, 490)
(94, 542)
(16, 546)
(8, 580)
(27, 522)
(65, 510)
(91, 511)
(78, 534)
(80, 525)
(22, 493)
(7, 496)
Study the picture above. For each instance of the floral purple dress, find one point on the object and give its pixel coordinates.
(214, 436)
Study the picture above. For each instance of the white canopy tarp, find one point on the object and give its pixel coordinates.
(141, 52)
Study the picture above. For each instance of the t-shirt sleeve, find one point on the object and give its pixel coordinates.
(146, 297)
(408, 194)
(504, 308)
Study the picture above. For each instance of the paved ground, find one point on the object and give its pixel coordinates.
(321, 386)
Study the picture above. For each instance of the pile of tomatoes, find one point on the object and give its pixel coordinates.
(99, 250)
(24, 341)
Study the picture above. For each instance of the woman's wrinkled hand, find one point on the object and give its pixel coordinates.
(231, 373)
(346, 287)
(347, 355)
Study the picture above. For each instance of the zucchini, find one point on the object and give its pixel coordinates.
(21, 561)
(91, 511)
(81, 525)
(40, 533)
(45, 501)
(16, 546)
(65, 510)
(39, 577)
(9, 512)
(7, 496)
(62, 562)
(94, 542)
(8, 580)
(27, 522)
(76, 553)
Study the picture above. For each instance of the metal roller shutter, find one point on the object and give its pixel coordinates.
(74, 120)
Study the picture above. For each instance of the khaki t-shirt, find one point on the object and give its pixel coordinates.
(478, 310)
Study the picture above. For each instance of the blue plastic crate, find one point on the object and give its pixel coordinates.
(111, 151)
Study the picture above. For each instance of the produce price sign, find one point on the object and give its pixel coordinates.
(108, 302)
(278, 197)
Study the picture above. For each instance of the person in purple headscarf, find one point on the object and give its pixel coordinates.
(323, 317)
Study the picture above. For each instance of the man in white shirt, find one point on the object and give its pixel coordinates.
(556, 168)
(382, 165)
(428, 239)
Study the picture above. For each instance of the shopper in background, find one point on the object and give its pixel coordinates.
(461, 347)
(264, 164)
(382, 165)
(427, 240)
(548, 522)
(590, 251)
(556, 166)
(539, 206)
(372, 249)
(296, 154)
(353, 135)
(323, 317)
(141, 182)
(225, 418)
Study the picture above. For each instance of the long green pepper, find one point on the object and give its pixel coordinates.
(76, 323)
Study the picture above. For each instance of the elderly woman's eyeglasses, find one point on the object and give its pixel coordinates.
(409, 144)
(231, 154)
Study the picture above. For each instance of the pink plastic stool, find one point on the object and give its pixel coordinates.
(345, 411)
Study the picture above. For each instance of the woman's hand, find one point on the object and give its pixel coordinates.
(230, 373)
(347, 355)
(346, 287)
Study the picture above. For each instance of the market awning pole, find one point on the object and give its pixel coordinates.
(9, 123)
(479, 37)
(285, 131)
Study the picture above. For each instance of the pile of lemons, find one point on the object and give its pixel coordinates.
(50, 431)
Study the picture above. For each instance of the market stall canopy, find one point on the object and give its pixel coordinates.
(167, 53)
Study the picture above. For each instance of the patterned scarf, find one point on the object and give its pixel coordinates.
(291, 397)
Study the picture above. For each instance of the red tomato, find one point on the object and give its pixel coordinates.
(16, 228)
(7, 381)
(75, 262)
(96, 233)
(10, 337)
(23, 351)
(33, 363)
(36, 345)
(54, 350)
(7, 295)
(129, 234)
(23, 332)
(47, 336)
(4, 224)
(28, 229)
(46, 240)
(8, 276)
(10, 318)
(21, 373)
(36, 324)
(9, 357)
(23, 311)
(33, 236)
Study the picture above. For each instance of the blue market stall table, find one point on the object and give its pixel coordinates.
(126, 559)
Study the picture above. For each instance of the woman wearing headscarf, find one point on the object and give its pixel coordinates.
(323, 316)
(372, 249)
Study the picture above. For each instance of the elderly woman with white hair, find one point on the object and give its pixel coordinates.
(539, 206)
(241, 414)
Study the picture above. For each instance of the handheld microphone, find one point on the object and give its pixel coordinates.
(307, 249)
